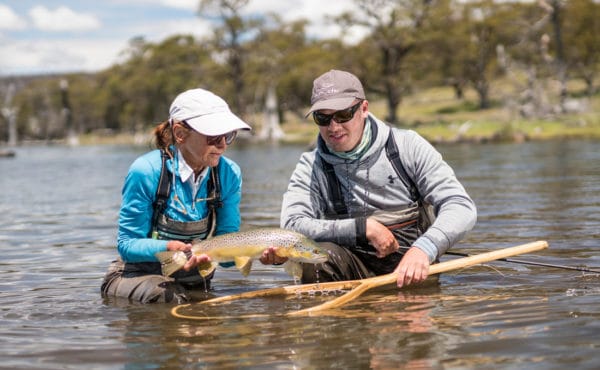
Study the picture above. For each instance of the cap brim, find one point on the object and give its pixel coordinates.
(335, 104)
(217, 123)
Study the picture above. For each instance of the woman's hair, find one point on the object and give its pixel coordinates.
(163, 134)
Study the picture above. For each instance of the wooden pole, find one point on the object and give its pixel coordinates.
(433, 269)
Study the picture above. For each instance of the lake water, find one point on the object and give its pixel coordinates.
(58, 216)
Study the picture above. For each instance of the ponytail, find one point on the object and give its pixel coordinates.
(163, 134)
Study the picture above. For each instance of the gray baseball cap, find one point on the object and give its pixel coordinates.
(335, 90)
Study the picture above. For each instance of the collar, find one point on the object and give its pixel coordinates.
(379, 131)
(185, 171)
(362, 146)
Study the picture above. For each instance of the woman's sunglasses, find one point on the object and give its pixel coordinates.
(340, 116)
(215, 140)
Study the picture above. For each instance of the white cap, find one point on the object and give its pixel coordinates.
(205, 112)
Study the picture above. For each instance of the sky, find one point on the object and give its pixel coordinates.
(63, 36)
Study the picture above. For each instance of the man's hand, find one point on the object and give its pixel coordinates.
(269, 257)
(381, 238)
(413, 268)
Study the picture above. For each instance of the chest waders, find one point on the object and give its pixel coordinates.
(165, 228)
(407, 223)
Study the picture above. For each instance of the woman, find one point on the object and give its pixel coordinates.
(182, 191)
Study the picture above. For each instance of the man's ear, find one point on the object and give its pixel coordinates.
(365, 106)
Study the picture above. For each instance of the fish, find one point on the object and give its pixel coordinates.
(244, 247)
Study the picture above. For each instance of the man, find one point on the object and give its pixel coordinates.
(381, 199)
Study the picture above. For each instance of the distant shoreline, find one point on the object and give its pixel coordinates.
(308, 135)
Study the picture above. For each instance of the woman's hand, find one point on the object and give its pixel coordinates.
(194, 260)
(413, 268)
(270, 257)
(381, 238)
(175, 245)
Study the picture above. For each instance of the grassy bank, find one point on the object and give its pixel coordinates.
(437, 116)
(440, 117)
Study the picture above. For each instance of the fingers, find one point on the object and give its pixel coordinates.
(381, 238)
(387, 248)
(175, 245)
(270, 257)
(413, 268)
(196, 260)
(411, 275)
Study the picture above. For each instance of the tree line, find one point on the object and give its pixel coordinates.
(409, 45)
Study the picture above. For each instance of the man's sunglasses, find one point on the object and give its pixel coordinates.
(215, 140)
(340, 116)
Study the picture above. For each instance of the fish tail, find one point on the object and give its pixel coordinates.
(171, 261)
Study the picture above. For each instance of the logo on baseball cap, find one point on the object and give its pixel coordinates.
(335, 90)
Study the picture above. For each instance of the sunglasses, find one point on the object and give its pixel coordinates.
(215, 140)
(340, 116)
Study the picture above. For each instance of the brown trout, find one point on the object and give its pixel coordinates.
(244, 247)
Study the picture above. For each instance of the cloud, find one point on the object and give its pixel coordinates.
(62, 19)
(313, 10)
(9, 20)
(59, 38)
(63, 55)
(318, 12)
(181, 4)
(160, 30)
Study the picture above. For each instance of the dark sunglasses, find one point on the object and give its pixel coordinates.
(340, 116)
(215, 140)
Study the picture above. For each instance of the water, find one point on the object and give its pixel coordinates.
(58, 215)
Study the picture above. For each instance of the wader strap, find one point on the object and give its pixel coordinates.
(164, 189)
(335, 189)
(214, 188)
(391, 149)
(162, 195)
(214, 192)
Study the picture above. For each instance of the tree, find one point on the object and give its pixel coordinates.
(488, 26)
(395, 31)
(286, 60)
(138, 92)
(230, 41)
(441, 60)
(581, 34)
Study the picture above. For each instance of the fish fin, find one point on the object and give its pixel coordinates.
(171, 261)
(206, 268)
(244, 264)
(294, 269)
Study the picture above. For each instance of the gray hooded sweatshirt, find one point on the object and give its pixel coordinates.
(371, 184)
